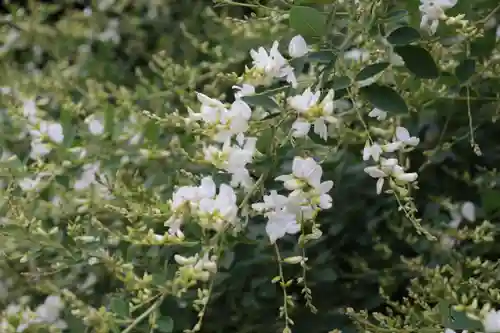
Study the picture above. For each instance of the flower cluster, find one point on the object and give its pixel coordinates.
(432, 11)
(21, 317)
(43, 133)
(313, 112)
(270, 65)
(308, 196)
(196, 267)
(213, 211)
(389, 168)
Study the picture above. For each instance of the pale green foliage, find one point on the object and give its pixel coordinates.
(89, 221)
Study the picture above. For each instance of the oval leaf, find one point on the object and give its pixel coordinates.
(261, 100)
(120, 306)
(460, 321)
(465, 69)
(307, 21)
(418, 61)
(339, 82)
(396, 15)
(323, 57)
(403, 36)
(165, 324)
(384, 98)
(371, 70)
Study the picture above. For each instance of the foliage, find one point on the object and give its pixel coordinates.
(117, 117)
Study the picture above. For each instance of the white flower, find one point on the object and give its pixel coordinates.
(320, 195)
(467, 210)
(378, 114)
(376, 172)
(281, 223)
(233, 159)
(273, 201)
(221, 209)
(298, 47)
(28, 184)
(272, 64)
(432, 11)
(183, 195)
(227, 122)
(401, 139)
(245, 90)
(39, 149)
(215, 211)
(311, 111)
(403, 177)
(211, 109)
(305, 171)
(53, 131)
(491, 322)
(372, 151)
(358, 55)
(88, 176)
(234, 122)
(95, 124)
(389, 168)
(403, 136)
(30, 110)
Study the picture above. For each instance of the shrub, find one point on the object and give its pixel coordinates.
(249, 167)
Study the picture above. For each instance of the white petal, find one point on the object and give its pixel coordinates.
(491, 322)
(325, 187)
(469, 211)
(55, 132)
(374, 172)
(207, 188)
(275, 231)
(297, 47)
(407, 177)
(380, 185)
(325, 201)
(402, 134)
(284, 178)
(300, 128)
(240, 108)
(321, 129)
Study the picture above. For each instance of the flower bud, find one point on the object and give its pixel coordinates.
(294, 260)
(183, 260)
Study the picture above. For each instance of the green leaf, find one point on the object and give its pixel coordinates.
(418, 61)
(307, 21)
(120, 306)
(165, 324)
(483, 47)
(298, 64)
(340, 82)
(465, 69)
(324, 57)
(460, 321)
(371, 70)
(109, 120)
(396, 15)
(261, 100)
(384, 98)
(403, 36)
(490, 199)
(318, 140)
